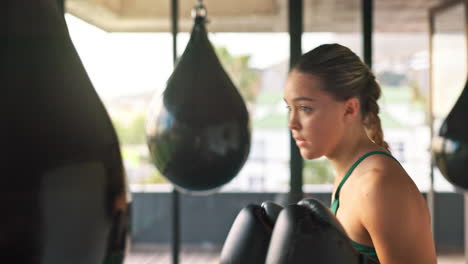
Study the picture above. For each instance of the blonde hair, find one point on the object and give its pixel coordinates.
(346, 76)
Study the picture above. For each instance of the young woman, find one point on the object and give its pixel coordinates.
(333, 112)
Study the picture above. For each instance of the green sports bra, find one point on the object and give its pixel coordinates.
(366, 250)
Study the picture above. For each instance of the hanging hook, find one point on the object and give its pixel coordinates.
(199, 10)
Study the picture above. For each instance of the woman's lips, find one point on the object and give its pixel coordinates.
(300, 142)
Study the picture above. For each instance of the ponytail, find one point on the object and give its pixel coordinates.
(373, 128)
(371, 119)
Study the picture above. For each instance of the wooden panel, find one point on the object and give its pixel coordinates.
(254, 16)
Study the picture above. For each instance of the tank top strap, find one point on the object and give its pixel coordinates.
(337, 193)
(366, 250)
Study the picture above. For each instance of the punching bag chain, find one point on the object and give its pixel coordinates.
(199, 10)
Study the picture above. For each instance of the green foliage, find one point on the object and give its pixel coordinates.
(394, 95)
(155, 178)
(417, 96)
(135, 158)
(243, 77)
(389, 121)
(130, 155)
(276, 120)
(318, 171)
(269, 97)
(133, 133)
(391, 78)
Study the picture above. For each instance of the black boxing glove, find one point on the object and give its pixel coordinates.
(308, 232)
(248, 239)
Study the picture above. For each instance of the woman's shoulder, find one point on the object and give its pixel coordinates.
(382, 169)
(385, 185)
(393, 211)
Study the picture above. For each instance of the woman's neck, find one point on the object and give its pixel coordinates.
(349, 151)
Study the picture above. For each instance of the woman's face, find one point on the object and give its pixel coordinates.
(316, 119)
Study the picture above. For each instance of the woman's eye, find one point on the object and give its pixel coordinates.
(305, 109)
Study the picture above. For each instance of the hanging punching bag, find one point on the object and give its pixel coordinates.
(63, 190)
(198, 130)
(451, 152)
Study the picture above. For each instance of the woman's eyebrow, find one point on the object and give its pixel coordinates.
(301, 99)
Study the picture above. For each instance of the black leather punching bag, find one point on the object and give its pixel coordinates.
(198, 131)
(451, 154)
(63, 194)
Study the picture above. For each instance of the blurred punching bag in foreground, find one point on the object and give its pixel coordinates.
(198, 130)
(63, 194)
(451, 147)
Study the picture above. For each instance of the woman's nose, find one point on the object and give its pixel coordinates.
(293, 123)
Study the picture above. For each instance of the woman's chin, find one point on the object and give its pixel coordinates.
(309, 155)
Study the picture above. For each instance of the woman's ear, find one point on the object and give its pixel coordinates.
(352, 108)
